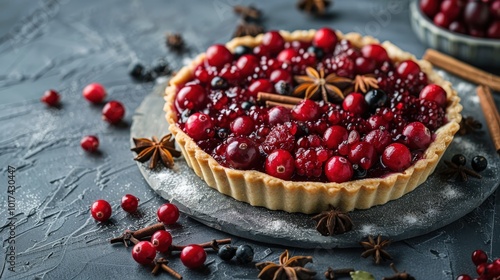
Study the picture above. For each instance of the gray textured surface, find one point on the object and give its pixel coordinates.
(67, 44)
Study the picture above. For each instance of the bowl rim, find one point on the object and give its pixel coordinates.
(415, 8)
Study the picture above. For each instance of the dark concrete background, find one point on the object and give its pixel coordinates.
(68, 44)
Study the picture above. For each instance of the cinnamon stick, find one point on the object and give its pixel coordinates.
(211, 244)
(462, 69)
(265, 96)
(490, 113)
(270, 104)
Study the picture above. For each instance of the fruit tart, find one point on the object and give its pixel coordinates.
(299, 120)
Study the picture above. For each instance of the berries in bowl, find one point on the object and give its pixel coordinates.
(468, 30)
(360, 123)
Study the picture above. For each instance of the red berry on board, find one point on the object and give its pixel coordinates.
(434, 93)
(113, 112)
(101, 210)
(90, 143)
(325, 38)
(193, 256)
(161, 240)
(396, 157)
(94, 93)
(144, 252)
(478, 257)
(130, 203)
(218, 56)
(168, 213)
(338, 169)
(464, 277)
(51, 98)
(280, 164)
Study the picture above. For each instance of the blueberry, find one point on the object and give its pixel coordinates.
(247, 105)
(244, 254)
(459, 159)
(358, 171)
(226, 252)
(223, 133)
(219, 83)
(160, 67)
(136, 70)
(242, 50)
(283, 88)
(375, 98)
(148, 76)
(318, 52)
(479, 163)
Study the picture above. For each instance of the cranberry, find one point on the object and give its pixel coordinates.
(434, 93)
(476, 13)
(325, 38)
(494, 30)
(355, 103)
(451, 8)
(161, 240)
(493, 270)
(193, 256)
(273, 41)
(94, 93)
(231, 73)
(379, 138)
(397, 157)
(203, 74)
(101, 210)
(429, 7)
(168, 213)
(242, 153)
(362, 153)
(407, 68)
(442, 20)
(130, 203)
(334, 135)
(278, 115)
(260, 85)
(464, 277)
(477, 32)
(242, 125)
(190, 97)
(458, 27)
(482, 269)
(478, 257)
(113, 112)
(280, 75)
(375, 52)
(338, 169)
(247, 64)
(364, 65)
(306, 110)
(495, 9)
(218, 56)
(51, 98)
(418, 135)
(90, 143)
(144, 252)
(376, 122)
(199, 126)
(287, 55)
(280, 164)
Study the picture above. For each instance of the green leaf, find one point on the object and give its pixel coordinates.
(361, 275)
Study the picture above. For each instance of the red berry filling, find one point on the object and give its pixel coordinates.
(368, 134)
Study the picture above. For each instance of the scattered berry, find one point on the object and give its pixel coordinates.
(144, 252)
(90, 143)
(101, 210)
(244, 254)
(113, 112)
(459, 159)
(161, 240)
(226, 252)
(94, 93)
(168, 213)
(479, 257)
(193, 256)
(130, 203)
(479, 163)
(51, 98)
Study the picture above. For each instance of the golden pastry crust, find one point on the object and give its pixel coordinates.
(260, 189)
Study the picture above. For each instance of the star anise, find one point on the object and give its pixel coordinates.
(333, 221)
(248, 12)
(288, 268)
(459, 171)
(376, 249)
(174, 41)
(399, 275)
(362, 83)
(316, 83)
(316, 7)
(158, 151)
(248, 29)
(469, 125)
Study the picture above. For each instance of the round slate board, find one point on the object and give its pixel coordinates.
(432, 205)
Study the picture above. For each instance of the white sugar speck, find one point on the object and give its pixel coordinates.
(367, 229)
(449, 192)
(410, 219)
